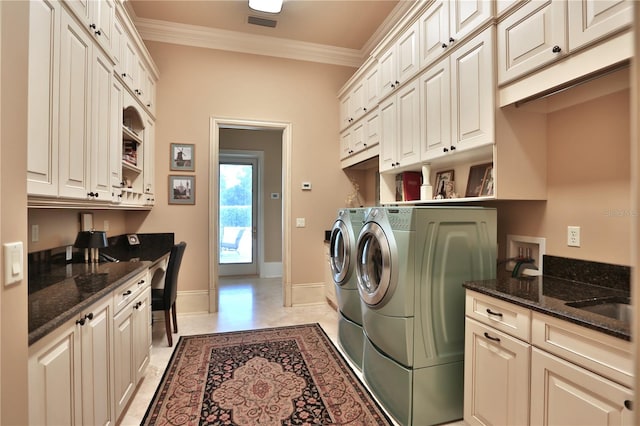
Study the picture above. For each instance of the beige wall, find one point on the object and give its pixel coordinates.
(197, 84)
(588, 184)
(13, 198)
(269, 142)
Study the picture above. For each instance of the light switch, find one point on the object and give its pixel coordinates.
(300, 222)
(13, 263)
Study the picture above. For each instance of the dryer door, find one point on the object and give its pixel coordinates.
(373, 265)
(340, 247)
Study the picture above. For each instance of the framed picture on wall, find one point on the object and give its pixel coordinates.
(183, 156)
(475, 184)
(182, 189)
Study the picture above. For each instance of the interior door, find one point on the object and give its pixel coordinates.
(238, 195)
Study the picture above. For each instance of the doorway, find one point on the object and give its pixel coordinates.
(284, 131)
(239, 202)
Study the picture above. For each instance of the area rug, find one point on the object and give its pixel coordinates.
(276, 376)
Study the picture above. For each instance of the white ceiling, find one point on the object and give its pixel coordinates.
(333, 31)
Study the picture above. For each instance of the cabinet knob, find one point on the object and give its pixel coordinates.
(92, 26)
(89, 316)
(452, 148)
(364, 144)
(364, 109)
(124, 74)
(81, 321)
(397, 82)
(445, 149)
(98, 33)
(556, 49)
(393, 86)
(628, 404)
(91, 194)
(148, 105)
(451, 40)
(444, 46)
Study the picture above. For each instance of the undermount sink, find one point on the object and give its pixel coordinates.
(618, 308)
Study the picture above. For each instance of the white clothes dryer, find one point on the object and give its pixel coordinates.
(411, 263)
(342, 249)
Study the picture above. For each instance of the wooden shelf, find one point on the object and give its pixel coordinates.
(130, 166)
(129, 134)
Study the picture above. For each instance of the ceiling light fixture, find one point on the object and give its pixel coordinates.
(269, 6)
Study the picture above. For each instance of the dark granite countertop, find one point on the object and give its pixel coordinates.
(549, 295)
(59, 291)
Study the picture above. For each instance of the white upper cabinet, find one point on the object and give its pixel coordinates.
(399, 62)
(531, 37)
(434, 32)
(42, 141)
(466, 16)
(541, 32)
(98, 16)
(590, 20)
(435, 108)
(400, 129)
(76, 56)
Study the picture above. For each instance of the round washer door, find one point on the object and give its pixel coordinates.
(340, 246)
(373, 265)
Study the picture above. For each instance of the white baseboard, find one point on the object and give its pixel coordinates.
(271, 270)
(308, 294)
(192, 302)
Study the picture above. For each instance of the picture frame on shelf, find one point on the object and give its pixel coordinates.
(442, 178)
(182, 189)
(487, 182)
(183, 156)
(476, 181)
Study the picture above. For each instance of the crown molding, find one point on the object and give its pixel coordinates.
(210, 38)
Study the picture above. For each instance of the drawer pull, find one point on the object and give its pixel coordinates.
(140, 282)
(495, 339)
(490, 312)
(126, 293)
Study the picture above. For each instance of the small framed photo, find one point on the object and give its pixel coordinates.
(182, 189)
(475, 184)
(487, 182)
(183, 156)
(442, 178)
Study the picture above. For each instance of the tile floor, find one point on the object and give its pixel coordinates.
(245, 303)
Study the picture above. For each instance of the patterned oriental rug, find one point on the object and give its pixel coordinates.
(276, 376)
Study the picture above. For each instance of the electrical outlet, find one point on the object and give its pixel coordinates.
(523, 247)
(35, 233)
(573, 236)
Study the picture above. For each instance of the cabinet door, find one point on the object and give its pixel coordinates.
(53, 382)
(531, 37)
(42, 142)
(102, 140)
(358, 141)
(150, 93)
(102, 17)
(357, 100)
(408, 139)
(372, 89)
(123, 364)
(590, 20)
(75, 87)
(97, 369)
(81, 8)
(435, 91)
(142, 332)
(372, 129)
(129, 58)
(388, 134)
(563, 393)
(345, 111)
(345, 143)
(496, 377)
(473, 93)
(388, 74)
(467, 15)
(118, 41)
(408, 54)
(434, 32)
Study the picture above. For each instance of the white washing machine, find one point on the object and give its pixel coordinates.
(342, 248)
(411, 263)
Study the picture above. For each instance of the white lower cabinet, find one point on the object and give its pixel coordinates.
(563, 393)
(498, 369)
(85, 371)
(526, 368)
(132, 339)
(71, 371)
